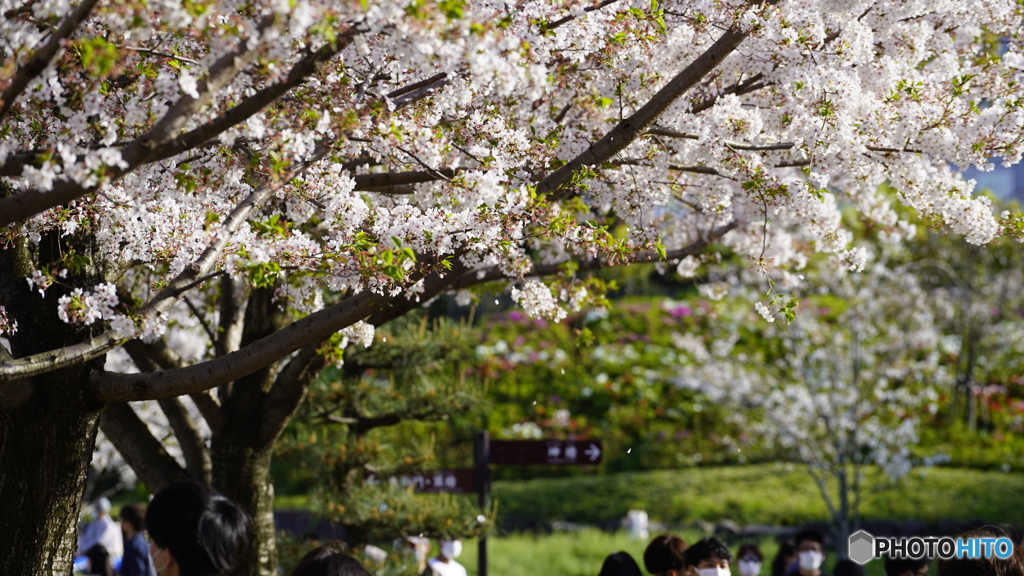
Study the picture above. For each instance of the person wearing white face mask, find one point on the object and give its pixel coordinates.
(749, 559)
(444, 564)
(194, 531)
(810, 553)
(708, 557)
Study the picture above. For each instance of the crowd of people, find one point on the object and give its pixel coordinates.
(669, 555)
(191, 530)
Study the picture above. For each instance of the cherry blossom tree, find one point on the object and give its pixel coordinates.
(979, 307)
(839, 391)
(229, 192)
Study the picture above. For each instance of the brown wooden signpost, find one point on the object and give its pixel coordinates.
(457, 481)
(522, 453)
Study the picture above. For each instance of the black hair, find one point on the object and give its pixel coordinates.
(787, 549)
(665, 553)
(749, 549)
(812, 535)
(620, 564)
(134, 514)
(205, 532)
(897, 566)
(706, 548)
(99, 561)
(848, 567)
(329, 560)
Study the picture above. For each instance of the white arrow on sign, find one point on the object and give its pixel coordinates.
(593, 451)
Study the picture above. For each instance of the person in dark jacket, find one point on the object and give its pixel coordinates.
(136, 549)
(849, 568)
(785, 558)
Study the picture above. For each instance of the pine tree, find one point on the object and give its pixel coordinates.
(396, 408)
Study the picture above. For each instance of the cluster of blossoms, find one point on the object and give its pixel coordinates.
(8, 326)
(476, 135)
(83, 308)
(536, 299)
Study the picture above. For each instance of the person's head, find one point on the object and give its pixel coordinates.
(620, 564)
(99, 561)
(784, 558)
(810, 550)
(133, 519)
(907, 567)
(847, 568)
(329, 560)
(449, 549)
(102, 507)
(664, 556)
(709, 556)
(195, 531)
(1012, 566)
(749, 559)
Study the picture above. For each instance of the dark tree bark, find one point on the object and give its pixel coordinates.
(240, 453)
(47, 424)
(241, 471)
(45, 449)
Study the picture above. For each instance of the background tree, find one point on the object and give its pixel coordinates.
(839, 390)
(296, 170)
(379, 415)
(979, 305)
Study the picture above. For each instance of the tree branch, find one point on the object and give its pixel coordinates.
(210, 408)
(740, 88)
(314, 328)
(374, 182)
(570, 18)
(474, 277)
(629, 129)
(41, 59)
(136, 444)
(146, 148)
(101, 344)
(318, 327)
(302, 70)
(193, 448)
(231, 319)
(289, 390)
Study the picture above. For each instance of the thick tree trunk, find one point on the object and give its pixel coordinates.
(47, 424)
(45, 448)
(241, 471)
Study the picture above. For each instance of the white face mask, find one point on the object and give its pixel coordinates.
(810, 560)
(713, 572)
(152, 560)
(451, 549)
(749, 568)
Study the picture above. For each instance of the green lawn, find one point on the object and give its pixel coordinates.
(759, 494)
